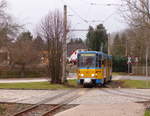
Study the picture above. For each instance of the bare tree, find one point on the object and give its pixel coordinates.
(8, 29)
(52, 30)
(137, 13)
(23, 53)
(3, 6)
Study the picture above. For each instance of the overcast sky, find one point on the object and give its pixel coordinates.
(30, 12)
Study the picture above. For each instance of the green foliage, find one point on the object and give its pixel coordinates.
(118, 52)
(147, 113)
(119, 64)
(97, 38)
(76, 40)
(24, 36)
(119, 45)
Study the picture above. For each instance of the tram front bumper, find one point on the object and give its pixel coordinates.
(90, 81)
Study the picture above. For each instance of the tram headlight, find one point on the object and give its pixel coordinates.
(81, 75)
(93, 75)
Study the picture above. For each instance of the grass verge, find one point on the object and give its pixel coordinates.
(119, 73)
(147, 113)
(138, 84)
(141, 84)
(38, 85)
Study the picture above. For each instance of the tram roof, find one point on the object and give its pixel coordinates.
(95, 52)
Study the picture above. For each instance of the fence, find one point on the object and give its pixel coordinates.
(140, 70)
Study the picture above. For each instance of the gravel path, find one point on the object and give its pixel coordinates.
(94, 96)
(27, 96)
(128, 109)
(111, 96)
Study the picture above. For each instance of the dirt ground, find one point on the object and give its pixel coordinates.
(9, 109)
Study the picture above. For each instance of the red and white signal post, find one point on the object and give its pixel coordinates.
(129, 62)
(132, 60)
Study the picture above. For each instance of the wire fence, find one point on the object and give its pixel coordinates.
(140, 70)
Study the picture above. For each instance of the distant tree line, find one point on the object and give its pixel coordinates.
(135, 40)
(138, 37)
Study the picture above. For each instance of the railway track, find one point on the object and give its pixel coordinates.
(32, 111)
(126, 94)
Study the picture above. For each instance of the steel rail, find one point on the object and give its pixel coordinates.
(124, 94)
(63, 103)
(41, 102)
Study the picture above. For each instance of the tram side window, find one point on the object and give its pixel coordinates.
(99, 62)
(104, 62)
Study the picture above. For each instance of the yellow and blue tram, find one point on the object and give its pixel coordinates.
(94, 68)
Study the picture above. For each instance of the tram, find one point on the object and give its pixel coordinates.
(94, 68)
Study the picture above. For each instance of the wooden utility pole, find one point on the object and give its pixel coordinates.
(64, 75)
(147, 47)
(147, 51)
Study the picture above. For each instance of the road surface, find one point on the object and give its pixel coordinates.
(96, 101)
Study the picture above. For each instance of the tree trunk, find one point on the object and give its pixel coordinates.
(23, 71)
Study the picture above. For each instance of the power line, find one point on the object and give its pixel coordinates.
(78, 15)
(75, 12)
(108, 17)
(108, 4)
(78, 30)
(84, 1)
(102, 21)
(92, 21)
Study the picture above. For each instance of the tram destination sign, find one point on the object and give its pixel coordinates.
(88, 54)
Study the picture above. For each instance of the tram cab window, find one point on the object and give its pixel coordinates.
(87, 60)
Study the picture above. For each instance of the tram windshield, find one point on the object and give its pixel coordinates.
(87, 60)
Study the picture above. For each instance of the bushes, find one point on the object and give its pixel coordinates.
(29, 73)
(17, 74)
(120, 64)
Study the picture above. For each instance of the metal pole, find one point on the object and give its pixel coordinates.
(101, 47)
(136, 69)
(147, 50)
(64, 79)
(126, 47)
(128, 68)
(108, 44)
